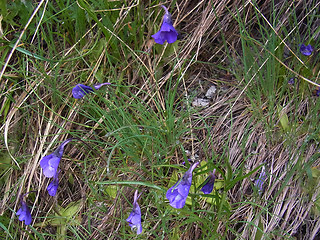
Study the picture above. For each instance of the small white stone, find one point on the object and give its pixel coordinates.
(194, 158)
(211, 91)
(200, 102)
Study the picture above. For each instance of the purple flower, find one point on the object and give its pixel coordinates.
(24, 213)
(291, 81)
(318, 92)
(208, 187)
(184, 163)
(178, 193)
(51, 162)
(262, 177)
(53, 186)
(80, 90)
(167, 31)
(134, 218)
(306, 50)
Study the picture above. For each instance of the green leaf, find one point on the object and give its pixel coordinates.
(112, 190)
(72, 209)
(68, 215)
(284, 120)
(131, 183)
(175, 233)
(5, 164)
(260, 230)
(3, 8)
(28, 53)
(6, 230)
(315, 210)
(315, 172)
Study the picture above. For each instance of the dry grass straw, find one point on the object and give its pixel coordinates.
(293, 208)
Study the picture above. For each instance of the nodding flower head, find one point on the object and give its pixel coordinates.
(178, 193)
(24, 212)
(291, 81)
(80, 90)
(53, 186)
(306, 50)
(208, 187)
(134, 218)
(167, 32)
(50, 163)
(262, 177)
